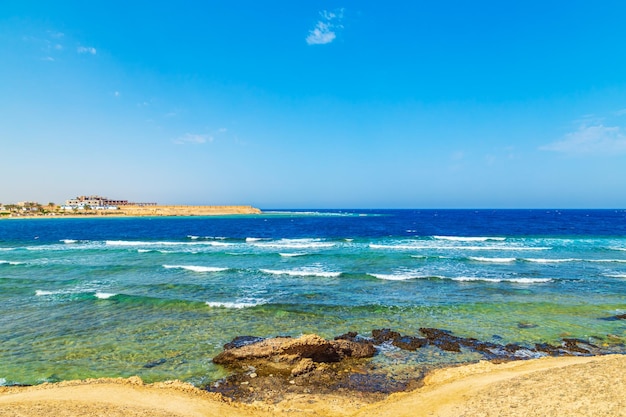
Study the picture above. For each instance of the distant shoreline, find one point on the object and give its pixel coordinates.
(146, 211)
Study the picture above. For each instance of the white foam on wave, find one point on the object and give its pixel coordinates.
(469, 238)
(430, 257)
(194, 237)
(618, 248)
(42, 293)
(3, 382)
(615, 275)
(302, 272)
(98, 294)
(492, 260)
(404, 276)
(68, 241)
(398, 247)
(291, 255)
(196, 268)
(621, 261)
(294, 244)
(104, 295)
(313, 213)
(45, 248)
(158, 251)
(163, 243)
(551, 261)
(456, 248)
(522, 353)
(511, 280)
(11, 263)
(505, 248)
(72, 291)
(134, 243)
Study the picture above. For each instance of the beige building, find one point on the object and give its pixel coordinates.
(93, 201)
(98, 202)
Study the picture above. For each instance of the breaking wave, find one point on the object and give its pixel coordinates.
(196, 268)
(302, 273)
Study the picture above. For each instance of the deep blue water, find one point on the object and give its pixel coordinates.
(331, 224)
(104, 297)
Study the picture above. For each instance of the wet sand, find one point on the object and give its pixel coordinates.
(567, 386)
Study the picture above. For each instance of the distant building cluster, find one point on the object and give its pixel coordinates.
(79, 205)
(98, 203)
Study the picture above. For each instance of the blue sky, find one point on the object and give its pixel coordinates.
(325, 104)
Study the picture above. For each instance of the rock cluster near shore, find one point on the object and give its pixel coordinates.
(293, 356)
(267, 369)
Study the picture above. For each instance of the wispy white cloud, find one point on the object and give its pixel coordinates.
(86, 50)
(594, 139)
(193, 139)
(325, 30)
(55, 34)
(47, 44)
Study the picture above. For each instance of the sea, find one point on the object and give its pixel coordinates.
(158, 297)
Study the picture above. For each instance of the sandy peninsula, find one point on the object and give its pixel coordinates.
(566, 386)
(135, 211)
(140, 211)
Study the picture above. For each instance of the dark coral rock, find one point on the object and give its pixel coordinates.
(355, 349)
(526, 325)
(442, 339)
(317, 349)
(410, 342)
(574, 346)
(548, 349)
(155, 363)
(241, 341)
(348, 336)
(512, 347)
(615, 318)
(381, 336)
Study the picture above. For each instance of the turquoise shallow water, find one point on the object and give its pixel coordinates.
(158, 297)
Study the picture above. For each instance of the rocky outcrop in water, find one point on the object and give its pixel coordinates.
(266, 369)
(615, 318)
(285, 355)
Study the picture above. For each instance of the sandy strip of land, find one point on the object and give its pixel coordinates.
(572, 386)
(145, 211)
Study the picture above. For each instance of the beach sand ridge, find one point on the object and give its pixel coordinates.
(572, 386)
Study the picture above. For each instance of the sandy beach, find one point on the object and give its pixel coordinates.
(568, 386)
(140, 211)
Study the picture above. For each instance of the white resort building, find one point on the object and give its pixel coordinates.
(98, 203)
